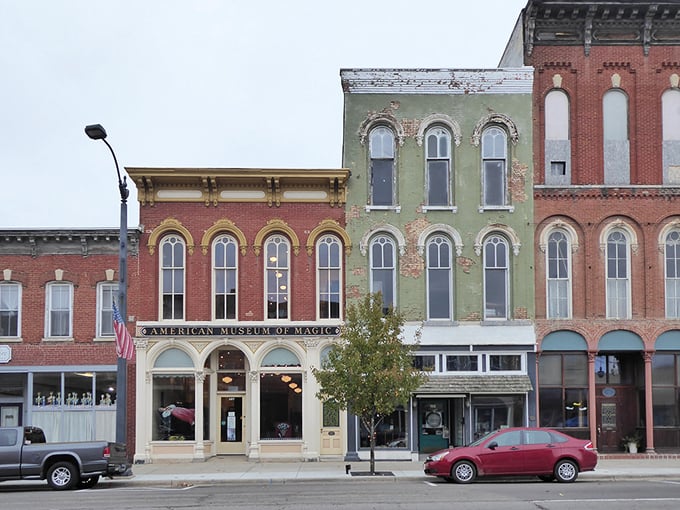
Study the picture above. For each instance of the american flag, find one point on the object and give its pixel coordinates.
(125, 347)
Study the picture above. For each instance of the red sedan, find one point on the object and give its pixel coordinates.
(546, 453)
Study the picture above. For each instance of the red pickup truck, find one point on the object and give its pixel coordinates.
(25, 455)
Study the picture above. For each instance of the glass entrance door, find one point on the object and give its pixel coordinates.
(231, 425)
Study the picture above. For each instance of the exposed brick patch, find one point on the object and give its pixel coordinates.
(353, 292)
(359, 271)
(518, 181)
(410, 127)
(466, 263)
(353, 213)
(411, 263)
(520, 313)
(473, 316)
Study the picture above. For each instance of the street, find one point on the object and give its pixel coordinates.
(354, 494)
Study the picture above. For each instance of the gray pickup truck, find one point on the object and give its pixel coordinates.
(25, 455)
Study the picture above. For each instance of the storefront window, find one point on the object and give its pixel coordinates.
(563, 394)
(280, 406)
(666, 390)
(173, 404)
(391, 432)
(424, 363)
(493, 412)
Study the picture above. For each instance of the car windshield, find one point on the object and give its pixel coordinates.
(479, 441)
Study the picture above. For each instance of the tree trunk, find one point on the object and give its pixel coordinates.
(372, 432)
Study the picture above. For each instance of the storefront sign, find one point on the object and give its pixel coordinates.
(303, 330)
(5, 353)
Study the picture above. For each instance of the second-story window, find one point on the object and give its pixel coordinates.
(438, 162)
(496, 278)
(618, 280)
(225, 260)
(59, 310)
(383, 270)
(107, 293)
(439, 284)
(494, 167)
(381, 148)
(673, 275)
(616, 145)
(277, 277)
(559, 271)
(10, 299)
(329, 276)
(172, 277)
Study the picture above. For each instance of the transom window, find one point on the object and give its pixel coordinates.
(559, 273)
(462, 363)
(172, 277)
(329, 277)
(225, 265)
(381, 148)
(10, 299)
(277, 276)
(438, 163)
(59, 310)
(439, 278)
(618, 281)
(496, 278)
(494, 167)
(383, 270)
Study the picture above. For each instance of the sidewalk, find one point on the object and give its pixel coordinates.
(239, 469)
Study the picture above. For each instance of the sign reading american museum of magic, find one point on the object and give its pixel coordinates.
(302, 330)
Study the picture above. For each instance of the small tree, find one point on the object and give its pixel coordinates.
(370, 371)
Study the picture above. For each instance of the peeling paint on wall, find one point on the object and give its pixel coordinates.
(518, 181)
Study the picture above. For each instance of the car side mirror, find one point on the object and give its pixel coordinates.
(492, 445)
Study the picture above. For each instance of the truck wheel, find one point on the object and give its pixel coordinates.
(62, 476)
(89, 482)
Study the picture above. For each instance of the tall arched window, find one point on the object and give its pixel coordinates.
(329, 276)
(618, 279)
(558, 264)
(670, 108)
(557, 144)
(438, 167)
(616, 145)
(439, 278)
(496, 278)
(672, 255)
(277, 277)
(383, 270)
(173, 268)
(494, 167)
(383, 178)
(225, 277)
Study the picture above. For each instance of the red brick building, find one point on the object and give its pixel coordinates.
(243, 291)
(57, 353)
(607, 183)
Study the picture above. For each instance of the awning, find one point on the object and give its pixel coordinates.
(456, 384)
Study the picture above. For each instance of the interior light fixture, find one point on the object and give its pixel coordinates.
(293, 385)
(286, 378)
(298, 390)
(226, 379)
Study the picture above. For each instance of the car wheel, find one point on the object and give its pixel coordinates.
(546, 478)
(62, 476)
(89, 482)
(463, 471)
(566, 471)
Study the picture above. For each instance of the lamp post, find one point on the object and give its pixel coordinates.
(97, 132)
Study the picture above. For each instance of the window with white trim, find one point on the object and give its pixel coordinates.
(381, 149)
(10, 309)
(59, 321)
(277, 276)
(672, 255)
(383, 270)
(617, 273)
(496, 278)
(225, 277)
(462, 363)
(439, 278)
(438, 167)
(494, 167)
(172, 250)
(558, 264)
(329, 276)
(505, 362)
(107, 293)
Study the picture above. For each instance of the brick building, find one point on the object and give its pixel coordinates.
(607, 157)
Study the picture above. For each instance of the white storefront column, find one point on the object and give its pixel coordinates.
(199, 450)
(142, 405)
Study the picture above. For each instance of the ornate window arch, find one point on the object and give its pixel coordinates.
(226, 226)
(505, 229)
(376, 119)
(498, 119)
(391, 230)
(440, 227)
(439, 118)
(166, 226)
(324, 226)
(272, 226)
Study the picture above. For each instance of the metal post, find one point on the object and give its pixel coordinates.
(97, 132)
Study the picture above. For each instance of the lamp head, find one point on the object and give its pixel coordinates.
(95, 131)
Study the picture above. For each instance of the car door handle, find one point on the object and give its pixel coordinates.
(514, 448)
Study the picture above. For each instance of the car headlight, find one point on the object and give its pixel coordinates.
(436, 457)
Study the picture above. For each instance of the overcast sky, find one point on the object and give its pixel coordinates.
(199, 83)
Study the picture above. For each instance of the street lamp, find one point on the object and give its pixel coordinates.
(97, 132)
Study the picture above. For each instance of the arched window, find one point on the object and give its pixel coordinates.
(329, 276)
(383, 269)
(558, 264)
(383, 178)
(439, 278)
(617, 274)
(277, 276)
(438, 167)
(670, 108)
(496, 278)
(173, 268)
(225, 277)
(494, 167)
(672, 255)
(616, 145)
(557, 145)
(10, 309)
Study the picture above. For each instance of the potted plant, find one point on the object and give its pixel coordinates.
(631, 442)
